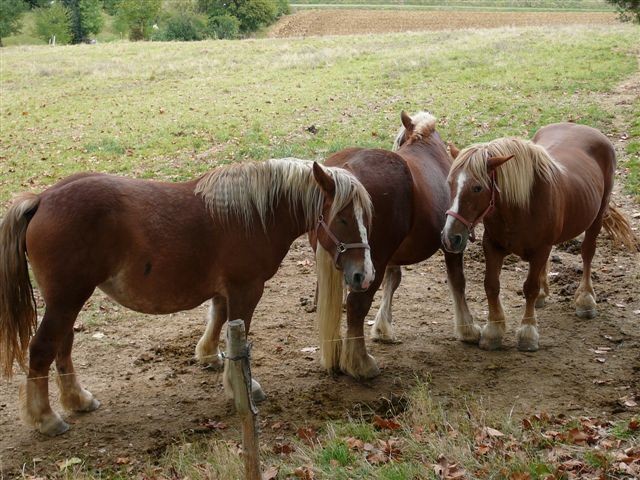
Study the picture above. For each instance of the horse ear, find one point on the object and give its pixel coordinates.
(327, 184)
(406, 121)
(495, 162)
(455, 151)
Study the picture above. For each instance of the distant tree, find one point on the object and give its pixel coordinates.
(54, 21)
(224, 26)
(282, 8)
(86, 18)
(10, 17)
(184, 26)
(252, 14)
(629, 10)
(37, 3)
(139, 16)
(111, 6)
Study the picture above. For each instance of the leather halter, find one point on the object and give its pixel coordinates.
(340, 246)
(492, 205)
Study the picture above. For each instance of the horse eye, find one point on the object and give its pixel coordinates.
(342, 221)
(476, 189)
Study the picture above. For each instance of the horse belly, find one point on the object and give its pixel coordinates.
(153, 296)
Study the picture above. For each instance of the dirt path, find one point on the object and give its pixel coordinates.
(152, 393)
(361, 21)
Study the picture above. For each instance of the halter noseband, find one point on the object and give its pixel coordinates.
(340, 246)
(492, 205)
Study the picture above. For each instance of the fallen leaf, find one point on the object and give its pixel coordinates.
(377, 458)
(576, 436)
(64, 464)
(283, 448)
(213, 425)
(492, 432)
(309, 349)
(270, 473)
(386, 424)
(123, 461)
(634, 425)
(355, 443)
(307, 434)
(98, 335)
(305, 473)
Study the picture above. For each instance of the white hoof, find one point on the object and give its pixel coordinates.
(469, 333)
(256, 391)
(528, 338)
(52, 425)
(491, 337)
(541, 302)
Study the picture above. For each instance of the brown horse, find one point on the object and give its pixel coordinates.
(410, 195)
(532, 195)
(158, 248)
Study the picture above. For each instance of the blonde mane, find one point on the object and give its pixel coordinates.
(424, 124)
(250, 191)
(515, 178)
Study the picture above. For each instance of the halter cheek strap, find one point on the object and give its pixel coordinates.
(340, 246)
(490, 208)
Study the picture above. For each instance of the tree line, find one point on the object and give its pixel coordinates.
(78, 21)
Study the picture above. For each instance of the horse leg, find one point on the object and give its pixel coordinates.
(544, 286)
(466, 329)
(72, 396)
(242, 302)
(382, 330)
(528, 331)
(44, 347)
(492, 333)
(354, 359)
(207, 351)
(585, 297)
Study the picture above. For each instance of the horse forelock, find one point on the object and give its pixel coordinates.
(424, 124)
(250, 191)
(516, 177)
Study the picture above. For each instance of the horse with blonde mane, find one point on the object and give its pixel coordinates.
(532, 195)
(158, 248)
(410, 195)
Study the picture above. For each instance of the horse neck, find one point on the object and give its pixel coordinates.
(433, 149)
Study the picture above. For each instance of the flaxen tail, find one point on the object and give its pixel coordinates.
(619, 229)
(329, 309)
(17, 306)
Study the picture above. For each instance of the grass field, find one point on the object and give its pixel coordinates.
(173, 111)
(518, 5)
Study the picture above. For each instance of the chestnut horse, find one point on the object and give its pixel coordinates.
(159, 248)
(410, 195)
(532, 195)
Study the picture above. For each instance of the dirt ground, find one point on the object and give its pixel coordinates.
(307, 23)
(153, 394)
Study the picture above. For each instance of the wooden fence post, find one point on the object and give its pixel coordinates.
(238, 377)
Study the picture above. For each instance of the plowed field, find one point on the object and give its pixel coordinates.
(356, 21)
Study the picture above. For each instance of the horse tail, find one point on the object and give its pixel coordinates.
(17, 305)
(329, 309)
(619, 229)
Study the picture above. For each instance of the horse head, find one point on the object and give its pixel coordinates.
(343, 232)
(472, 199)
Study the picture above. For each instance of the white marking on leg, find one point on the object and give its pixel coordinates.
(207, 351)
(369, 272)
(462, 179)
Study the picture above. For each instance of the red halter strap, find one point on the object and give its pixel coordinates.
(492, 205)
(340, 246)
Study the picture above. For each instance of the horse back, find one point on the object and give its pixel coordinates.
(388, 180)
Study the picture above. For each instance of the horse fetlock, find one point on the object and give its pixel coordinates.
(528, 338)
(469, 333)
(491, 336)
(382, 333)
(357, 363)
(207, 356)
(586, 305)
(541, 301)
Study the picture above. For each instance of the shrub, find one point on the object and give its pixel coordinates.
(53, 21)
(255, 14)
(86, 18)
(282, 8)
(184, 26)
(139, 16)
(629, 10)
(10, 17)
(224, 26)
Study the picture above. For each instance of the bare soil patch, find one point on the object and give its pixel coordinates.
(359, 21)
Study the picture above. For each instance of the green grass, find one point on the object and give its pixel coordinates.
(633, 150)
(175, 110)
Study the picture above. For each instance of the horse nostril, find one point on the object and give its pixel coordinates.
(358, 278)
(457, 240)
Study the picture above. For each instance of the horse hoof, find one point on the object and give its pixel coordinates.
(470, 334)
(541, 302)
(490, 343)
(528, 338)
(93, 405)
(378, 335)
(385, 339)
(54, 426)
(586, 313)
